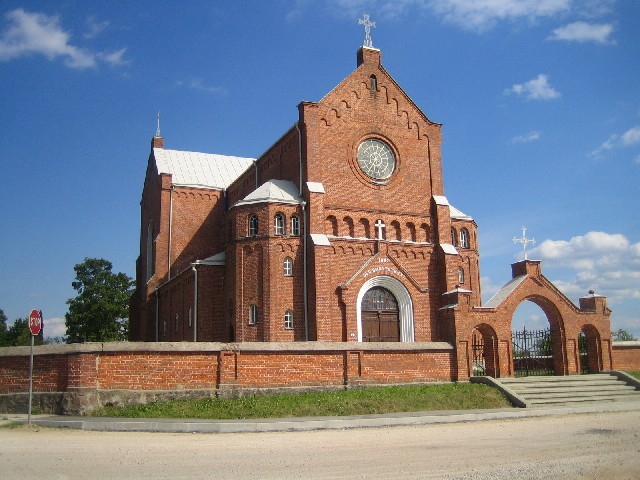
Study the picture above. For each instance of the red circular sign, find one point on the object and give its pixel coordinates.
(35, 322)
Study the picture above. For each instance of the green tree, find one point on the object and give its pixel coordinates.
(19, 334)
(622, 336)
(99, 313)
(4, 342)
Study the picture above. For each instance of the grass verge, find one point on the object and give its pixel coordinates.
(413, 398)
(635, 374)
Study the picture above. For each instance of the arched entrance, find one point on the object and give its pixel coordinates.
(484, 347)
(539, 349)
(380, 316)
(390, 290)
(589, 349)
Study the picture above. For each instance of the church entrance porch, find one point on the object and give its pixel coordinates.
(380, 316)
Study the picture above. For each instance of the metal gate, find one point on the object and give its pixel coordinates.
(584, 356)
(477, 345)
(532, 352)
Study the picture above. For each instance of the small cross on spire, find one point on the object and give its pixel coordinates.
(367, 30)
(158, 127)
(524, 241)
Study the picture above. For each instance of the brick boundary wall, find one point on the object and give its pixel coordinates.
(626, 355)
(75, 379)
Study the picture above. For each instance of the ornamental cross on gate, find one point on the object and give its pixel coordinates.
(524, 241)
(367, 30)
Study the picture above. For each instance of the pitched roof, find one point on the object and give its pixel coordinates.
(504, 292)
(273, 191)
(200, 169)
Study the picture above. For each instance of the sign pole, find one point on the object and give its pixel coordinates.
(35, 325)
(30, 382)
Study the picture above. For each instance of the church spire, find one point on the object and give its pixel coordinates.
(158, 127)
(158, 140)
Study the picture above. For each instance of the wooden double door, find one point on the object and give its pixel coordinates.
(380, 316)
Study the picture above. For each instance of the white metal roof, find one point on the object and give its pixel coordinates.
(455, 213)
(504, 292)
(273, 191)
(200, 169)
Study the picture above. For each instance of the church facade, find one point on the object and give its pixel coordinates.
(339, 232)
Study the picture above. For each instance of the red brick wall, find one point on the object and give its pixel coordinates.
(180, 367)
(626, 356)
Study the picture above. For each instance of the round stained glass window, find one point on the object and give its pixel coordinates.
(376, 159)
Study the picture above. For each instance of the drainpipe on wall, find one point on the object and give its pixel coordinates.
(195, 302)
(304, 266)
(157, 315)
(303, 204)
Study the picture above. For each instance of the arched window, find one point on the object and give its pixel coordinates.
(253, 225)
(295, 225)
(373, 84)
(454, 237)
(253, 314)
(464, 238)
(288, 267)
(461, 276)
(288, 320)
(278, 224)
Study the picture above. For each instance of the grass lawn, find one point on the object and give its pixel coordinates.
(413, 398)
(635, 374)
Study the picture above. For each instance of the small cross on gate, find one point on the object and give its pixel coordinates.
(367, 30)
(379, 226)
(524, 241)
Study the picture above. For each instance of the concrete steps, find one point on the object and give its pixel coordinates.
(572, 389)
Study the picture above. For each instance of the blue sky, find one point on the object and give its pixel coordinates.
(540, 101)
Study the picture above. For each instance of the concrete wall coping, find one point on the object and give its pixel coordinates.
(631, 344)
(210, 347)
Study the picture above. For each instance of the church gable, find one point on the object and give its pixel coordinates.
(370, 79)
(367, 136)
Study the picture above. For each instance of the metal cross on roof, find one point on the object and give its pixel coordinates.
(524, 241)
(158, 128)
(367, 30)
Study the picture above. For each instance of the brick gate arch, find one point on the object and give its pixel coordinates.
(566, 322)
(556, 328)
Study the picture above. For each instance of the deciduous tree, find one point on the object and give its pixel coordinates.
(622, 336)
(99, 313)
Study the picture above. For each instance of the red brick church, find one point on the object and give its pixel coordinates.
(339, 232)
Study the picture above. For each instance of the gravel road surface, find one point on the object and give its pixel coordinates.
(594, 446)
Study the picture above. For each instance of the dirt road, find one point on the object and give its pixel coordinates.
(603, 446)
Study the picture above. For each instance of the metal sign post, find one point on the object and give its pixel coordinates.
(35, 325)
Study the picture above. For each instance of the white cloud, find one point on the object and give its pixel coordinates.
(31, 33)
(536, 89)
(482, 15)
(54, 327)
(94, 27)
(606, 263)
(526, 138)
(631, 136)
(39, 34)
(628, 139)
(197, 83)
(115, 58)
(584, 32)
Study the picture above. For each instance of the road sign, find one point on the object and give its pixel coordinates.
(35, 322)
